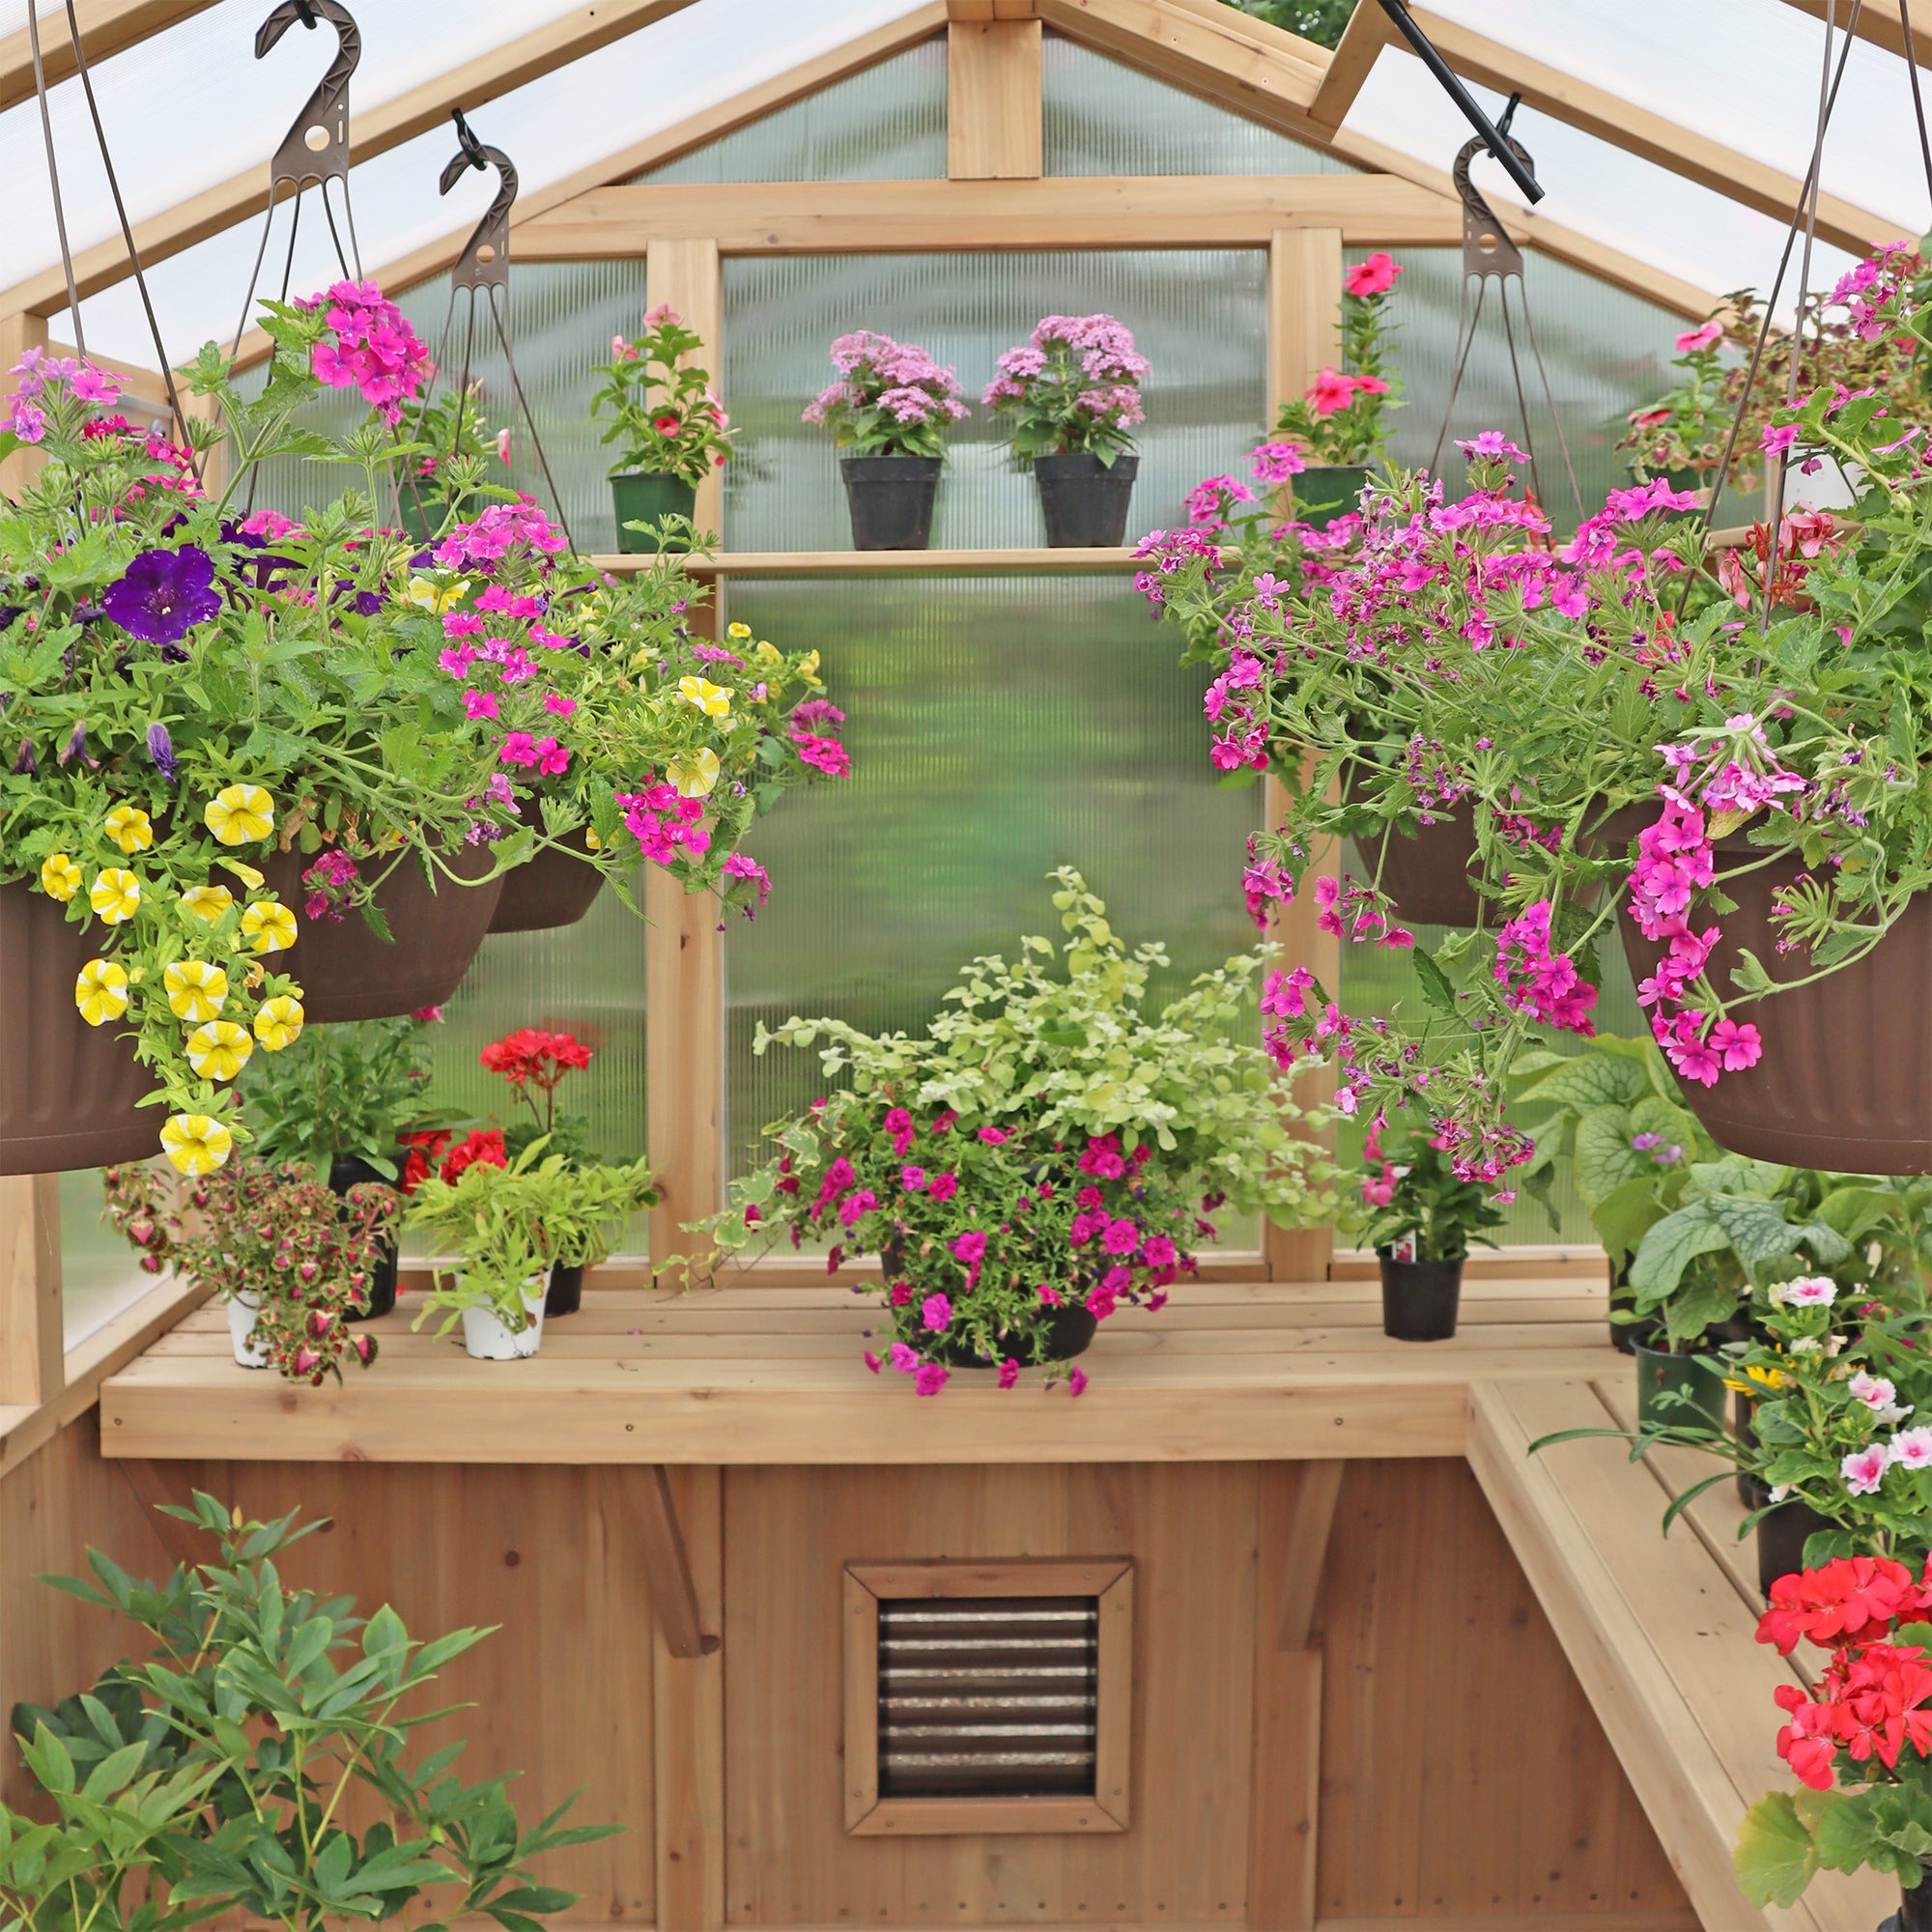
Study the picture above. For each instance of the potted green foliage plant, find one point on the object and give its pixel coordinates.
(1422, 1219)
(669, 424)
(1046, 1153)
(205, 1780)
(891, 408)
(1073, 398)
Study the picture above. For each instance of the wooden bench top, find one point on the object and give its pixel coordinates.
(750, 1374)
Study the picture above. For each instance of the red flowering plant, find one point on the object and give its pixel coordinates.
(274, 1239)
(663, 408)
(1046, 1154)
(535, 1063)
(1858, 1736)
(1342, 417)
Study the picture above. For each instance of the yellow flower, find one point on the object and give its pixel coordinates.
(695, 773)
(196, 1143)
(701, 695)
(737, 630)
(207, 903)
(270, 925)
(435, 598)
(240, 813)
(196, 990)
(247, 874)
(60, 877)
(131, 828)
(115, 894)
(278, 1022)
(101, 991)
(1768, 1378)
(219, 1050)
(591, 840)
(808, 665)
(767, 657)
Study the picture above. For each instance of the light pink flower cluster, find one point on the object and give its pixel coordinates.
(375, 348)
(1093, 355)
(1598, 544)
(898, 377)
(1352, 910)
(1544, 985)
(1877, 292)
(39, 373)
(501, 533)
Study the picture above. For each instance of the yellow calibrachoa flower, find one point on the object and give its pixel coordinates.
(808, 665)
(695, 773)
(196, 1143)
(737, 630)
(207, 903)
(60, 877)
(247, 874)
(591, 840)
(196, 990)
(435, 598)
(701, 695)
(115, 894)
(278, 1022)
(131, 828)
(238, 815)
(219, 1050)
(767, 657)
(270, 925)
(101, 991)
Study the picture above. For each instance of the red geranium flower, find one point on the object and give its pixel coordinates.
(483, 1148)
(425, 1149)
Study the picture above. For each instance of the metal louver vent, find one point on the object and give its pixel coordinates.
(987, 1696)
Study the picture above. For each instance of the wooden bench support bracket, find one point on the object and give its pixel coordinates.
(673, 1594)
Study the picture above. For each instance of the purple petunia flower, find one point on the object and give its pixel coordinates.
(164, 594)
(160, 747)
(76, 748)
(26, 765)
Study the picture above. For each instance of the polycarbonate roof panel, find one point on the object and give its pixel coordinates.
(1613, 198)
(552, 127)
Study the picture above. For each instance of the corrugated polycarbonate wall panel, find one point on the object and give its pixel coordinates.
(887, 123)
(1201, 316)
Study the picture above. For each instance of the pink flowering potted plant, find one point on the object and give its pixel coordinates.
(1046, 1154)
(1071, 399)
(892, 409)
(671, 426)
(1422, 1220)
(1339, 422)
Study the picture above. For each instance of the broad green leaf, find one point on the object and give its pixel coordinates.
(1590, 1080)
(1605, 1157)
(1625, 1215)
(1775, 1859)
(1668, 1248)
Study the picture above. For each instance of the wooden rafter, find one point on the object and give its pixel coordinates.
(106, 27)
(1362, 39)
(581, 31)
(1879, 23)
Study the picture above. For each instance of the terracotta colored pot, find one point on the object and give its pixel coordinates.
(1845, 1081)
(348, 974)
(553, 889)
(68, 1091)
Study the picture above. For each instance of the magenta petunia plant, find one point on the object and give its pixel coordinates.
(1073, 390)
(891, 398)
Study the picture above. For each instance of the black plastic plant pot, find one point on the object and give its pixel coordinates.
(1754, 1492)
(890, 499)
(646, 496)
(1070, 1330)
(1780, 1551)
(1420, 1299)
(347, 1171)
(1915, 1909)
(1659, 1374)
(1085, 499)
(1325, 491)
(565, 1294)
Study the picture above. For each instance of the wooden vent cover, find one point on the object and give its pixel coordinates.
(988, 1696)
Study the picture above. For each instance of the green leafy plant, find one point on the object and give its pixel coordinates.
(212, 1777)
(1342, 417)
(662, 407)
(1417, 1195)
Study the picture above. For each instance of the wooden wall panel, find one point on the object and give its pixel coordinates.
(1190, 1531)
(1464, 1773)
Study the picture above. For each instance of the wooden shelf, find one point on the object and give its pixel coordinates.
(879, 562)
(1227, 1372)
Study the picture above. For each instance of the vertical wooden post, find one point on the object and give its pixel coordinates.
(1304, 333)
(689, 1732)
(33, 1351)
(992, 101)
(18, 335)
(687, 275)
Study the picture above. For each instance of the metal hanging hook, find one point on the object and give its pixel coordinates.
(316, 147)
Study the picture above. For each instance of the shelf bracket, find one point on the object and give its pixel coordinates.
(155, 1484)
(1307, 1553)
(653, 1518)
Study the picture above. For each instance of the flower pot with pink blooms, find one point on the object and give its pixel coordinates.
(1045, 1156)
(672, 429)
(1071, 397)
(1421, 1220)
(892, 409)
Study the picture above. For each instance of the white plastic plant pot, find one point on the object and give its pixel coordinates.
(244, 1310)
(489, 1338)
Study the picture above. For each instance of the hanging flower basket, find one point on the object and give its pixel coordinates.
(68, 1092)
(1427, 874)
(346, 972)
(554, 889)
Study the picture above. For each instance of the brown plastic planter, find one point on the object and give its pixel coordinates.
(68, 1091)
(346, 972)
(1845, 1082)
(1427, 875)
(553, 889)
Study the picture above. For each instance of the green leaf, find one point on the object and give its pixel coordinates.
(1670, 1247)
(1625, 1215)
(1604, 1158)
(1590, 1080)
(1775, 1859)
(1435, 987)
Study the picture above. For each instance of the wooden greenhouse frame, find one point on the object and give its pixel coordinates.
(666, 1508)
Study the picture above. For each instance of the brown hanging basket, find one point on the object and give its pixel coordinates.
(68, 1092)
(554, 889)
(1427, 875)
(348, 974)
(1845, 1081)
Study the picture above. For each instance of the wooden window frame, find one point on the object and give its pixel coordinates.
(1108, 1580)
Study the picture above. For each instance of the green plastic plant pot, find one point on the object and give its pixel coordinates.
(1325, 491)
(1658, 1373)
(646, 496)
